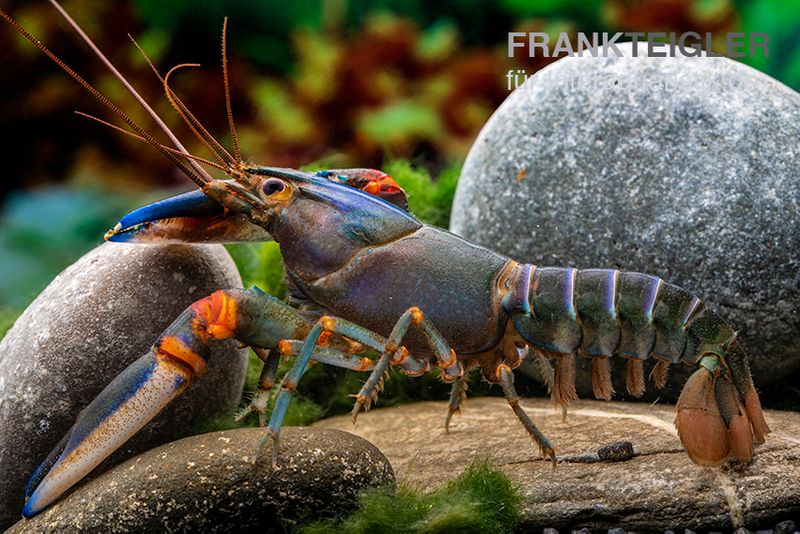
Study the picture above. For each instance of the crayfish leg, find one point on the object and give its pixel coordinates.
(506, 378)
(700, 425)
(458, 394)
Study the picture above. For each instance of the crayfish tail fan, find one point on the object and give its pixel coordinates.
(701, 429)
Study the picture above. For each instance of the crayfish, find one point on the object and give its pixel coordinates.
(365, 275)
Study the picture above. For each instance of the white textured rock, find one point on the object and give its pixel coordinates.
(94, 319)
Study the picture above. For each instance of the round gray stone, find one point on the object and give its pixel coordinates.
(94, 319)
(210, 483)
(685, 168)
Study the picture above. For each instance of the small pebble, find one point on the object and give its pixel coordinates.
(616, 452)
(616, 531)
(785, 527)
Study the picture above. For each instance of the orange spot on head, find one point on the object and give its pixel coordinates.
(219, 313)
(373, 188)
(173, 347)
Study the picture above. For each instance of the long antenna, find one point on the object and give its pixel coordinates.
(138, 137)
(200, 178)
(199, 169)
(237, 153)
(194, 124)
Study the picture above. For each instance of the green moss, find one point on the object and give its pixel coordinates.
(260, 264)
(482, 499)
(7, 318)
(428, 199)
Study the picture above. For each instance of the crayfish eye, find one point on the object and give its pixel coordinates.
(273, 186)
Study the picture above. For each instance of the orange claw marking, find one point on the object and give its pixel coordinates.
(172, 348)
(416, 315)
(328, 323)
(445, 364)
(324, 338)
(218, 312)
(400, 355)
(285, 347)
(364, 364)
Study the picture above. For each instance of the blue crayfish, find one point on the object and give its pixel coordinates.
(365, 275)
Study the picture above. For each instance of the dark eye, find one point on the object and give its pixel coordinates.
(273, 186)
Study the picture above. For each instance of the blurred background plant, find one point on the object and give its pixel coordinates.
(403, 85)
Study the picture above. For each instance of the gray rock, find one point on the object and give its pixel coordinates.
(209, 483)
(658, 489)
(94, 319)
(685, 168)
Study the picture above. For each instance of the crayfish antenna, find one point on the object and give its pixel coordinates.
(700, 425)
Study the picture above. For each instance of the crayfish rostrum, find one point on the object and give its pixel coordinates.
(365, 275)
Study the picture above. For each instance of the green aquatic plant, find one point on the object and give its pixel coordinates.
(481, 500)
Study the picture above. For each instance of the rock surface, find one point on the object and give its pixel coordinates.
(660, 488)
(94, 319)
(210, 483)
(685, 168)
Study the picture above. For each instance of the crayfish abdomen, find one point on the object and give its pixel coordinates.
(599, 313)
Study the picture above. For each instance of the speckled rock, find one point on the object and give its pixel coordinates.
(685, 168)
(94, 319)
(210, 483)
(658, 489)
